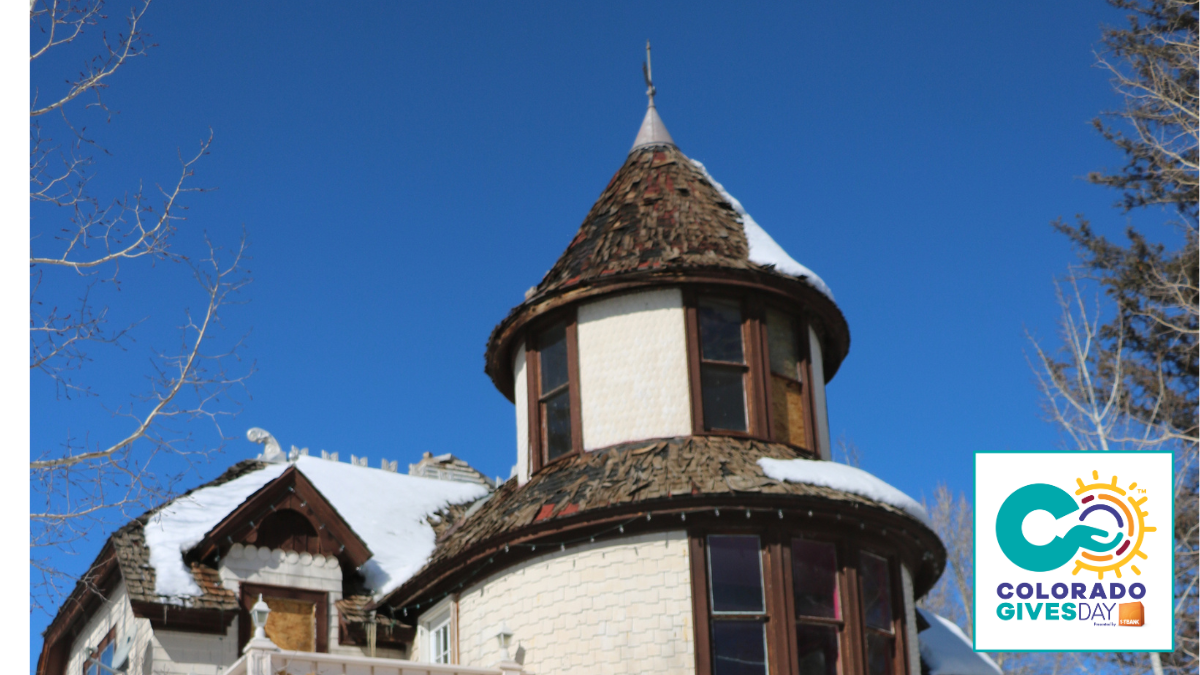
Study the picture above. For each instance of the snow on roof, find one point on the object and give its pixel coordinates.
(845, 478)
(395, 529)
(763, 249)
(947, 651)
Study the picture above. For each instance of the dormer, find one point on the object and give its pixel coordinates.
(671, 313)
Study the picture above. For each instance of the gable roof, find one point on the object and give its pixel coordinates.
(393, 531)
(394, 535)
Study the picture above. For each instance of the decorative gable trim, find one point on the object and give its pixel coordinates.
(290, 493)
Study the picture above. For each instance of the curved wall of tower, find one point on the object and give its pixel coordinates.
(633, 374)
(618, 606)
(633, 369)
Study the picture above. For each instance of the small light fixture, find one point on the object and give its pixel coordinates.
(504, 638)
(258, 615)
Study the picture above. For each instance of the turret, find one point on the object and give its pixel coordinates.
(671, 313)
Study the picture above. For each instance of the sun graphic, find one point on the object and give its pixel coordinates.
(1099, 496)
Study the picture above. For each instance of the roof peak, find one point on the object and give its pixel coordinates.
(653, 131)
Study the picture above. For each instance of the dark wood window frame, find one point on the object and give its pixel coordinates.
(538, 453)
(899, 635)
(249, 595)
(800, 326)
(109, 638)
(758, 394)
(782, 657)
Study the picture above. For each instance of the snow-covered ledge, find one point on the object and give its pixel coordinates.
(280, 662)
(947, 651)
(845, 478)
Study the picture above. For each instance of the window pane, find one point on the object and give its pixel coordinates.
(817, 649)
(876, 592)
(723, 392)
(106, 656)
(556, 416)
(441, 644)
(781, 342)
(720, 331)
(739, 648)
(879, 654)
(735, 573)
(787, 411)
(814, 579)
(552, 357)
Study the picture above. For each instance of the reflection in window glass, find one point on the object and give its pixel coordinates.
(876, 592)
(739, 648)
(556, 415)
(781, 342)
(723, 395)
(720, 331)
(552, 358)
(735, 573)
(879, 654)
(814, 579)
(817, 649)
(555, 393)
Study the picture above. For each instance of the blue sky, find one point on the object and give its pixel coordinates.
(405, 171)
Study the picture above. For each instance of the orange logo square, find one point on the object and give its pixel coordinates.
(1131, 614)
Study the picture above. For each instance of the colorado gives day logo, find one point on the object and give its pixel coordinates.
(1073, 551)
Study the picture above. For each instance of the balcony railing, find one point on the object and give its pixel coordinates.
(274, 661)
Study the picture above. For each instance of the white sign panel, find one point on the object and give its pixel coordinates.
(1073, 551)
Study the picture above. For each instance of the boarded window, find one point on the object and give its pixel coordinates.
(292, 624)
(787, 387)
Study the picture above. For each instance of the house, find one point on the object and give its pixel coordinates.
(673, 508)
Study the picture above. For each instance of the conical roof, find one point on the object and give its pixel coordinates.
(662, 210)
(663, 215)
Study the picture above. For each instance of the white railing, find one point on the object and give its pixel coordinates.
(274, 661)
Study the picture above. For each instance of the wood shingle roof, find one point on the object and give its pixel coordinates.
(665, 473)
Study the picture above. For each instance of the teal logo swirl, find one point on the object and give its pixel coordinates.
(1060, 551)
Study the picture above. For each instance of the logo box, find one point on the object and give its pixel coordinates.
(1074, 551)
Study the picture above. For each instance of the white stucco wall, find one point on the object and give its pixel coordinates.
(116, 612)
(633, 373)
(818, 385)
(619, 606)
(910, 622)
(185, 653)
(521, 396)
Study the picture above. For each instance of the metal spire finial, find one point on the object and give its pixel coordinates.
(653, 132)
(650, 91)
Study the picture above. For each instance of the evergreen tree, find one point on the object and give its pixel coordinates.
(1142, 365)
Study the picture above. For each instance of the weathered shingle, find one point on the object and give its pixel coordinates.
(674, 469)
